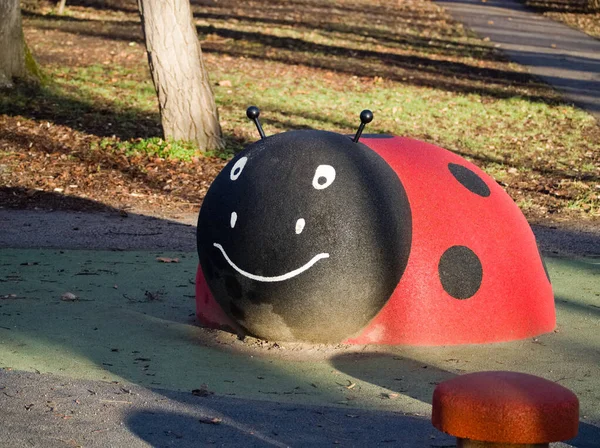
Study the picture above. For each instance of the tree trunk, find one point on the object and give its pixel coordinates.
(187, 105)
(12, 43)
(61, 7)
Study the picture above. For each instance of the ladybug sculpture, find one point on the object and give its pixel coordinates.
(313, 236)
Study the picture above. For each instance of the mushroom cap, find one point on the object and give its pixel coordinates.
(505, 407)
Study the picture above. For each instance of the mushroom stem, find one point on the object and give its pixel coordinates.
(468, 443)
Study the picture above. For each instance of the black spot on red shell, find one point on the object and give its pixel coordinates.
(469, 179)
(460, 272)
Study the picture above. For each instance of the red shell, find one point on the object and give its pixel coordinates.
(208, 311)
(515, 300)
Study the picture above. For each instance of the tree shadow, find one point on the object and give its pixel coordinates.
(541, 6)
(577, 307)
(419, 70)
(98, 117)
(569, 6)
(112, 5)
(561, 173)
(21, 198)
(358, 33)
(565, 242)
(305, 17)
(262, 424)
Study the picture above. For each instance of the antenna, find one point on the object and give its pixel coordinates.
(253, 113)
(366, 116)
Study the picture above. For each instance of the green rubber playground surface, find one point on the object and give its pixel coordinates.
(133, 321)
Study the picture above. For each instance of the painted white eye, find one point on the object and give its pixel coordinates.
(237, 168)
(300, 226)
(324, 176)
(233, 219)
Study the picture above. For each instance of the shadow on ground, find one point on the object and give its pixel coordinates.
(576, 6)
(97, 117)
(228, 422)
(134, 323)
(387, 50)
(419, 380)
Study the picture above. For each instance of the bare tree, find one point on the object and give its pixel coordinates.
(15, 59)
(187, 106)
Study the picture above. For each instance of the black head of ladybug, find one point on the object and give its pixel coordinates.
(304, 236)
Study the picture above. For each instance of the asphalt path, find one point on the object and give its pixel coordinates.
(563, 57)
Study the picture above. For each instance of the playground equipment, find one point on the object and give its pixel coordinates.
(505, 409)
(370, 239)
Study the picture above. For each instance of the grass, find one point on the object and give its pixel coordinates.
(314, 64)
(158, 147)
(574, 13)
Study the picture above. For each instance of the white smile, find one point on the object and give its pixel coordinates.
(277, 278)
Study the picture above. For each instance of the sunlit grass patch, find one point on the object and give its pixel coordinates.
(159, 147)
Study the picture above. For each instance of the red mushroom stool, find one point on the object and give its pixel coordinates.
(505, 409)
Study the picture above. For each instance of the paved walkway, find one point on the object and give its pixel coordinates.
(563, 57)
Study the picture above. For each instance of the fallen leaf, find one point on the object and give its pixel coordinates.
(203, 391)
(69, 297)
(390, 395)
(152, 296)
(210, 420)
(167, 260)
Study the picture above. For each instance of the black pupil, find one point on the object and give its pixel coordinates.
(322, 180)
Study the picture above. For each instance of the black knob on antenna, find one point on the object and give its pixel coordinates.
(253, 113)
(366, 116)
